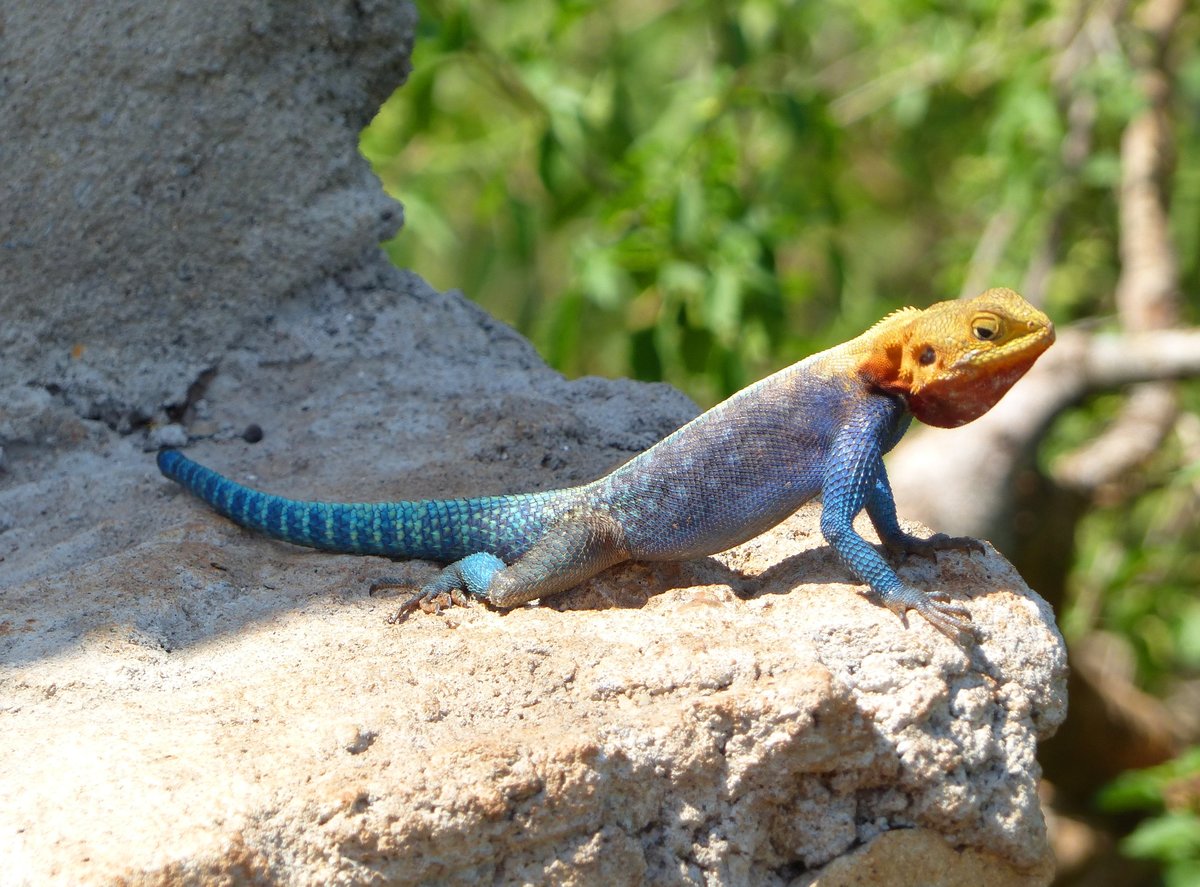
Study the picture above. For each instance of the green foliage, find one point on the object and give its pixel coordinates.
(703, 192)
(1171, 836)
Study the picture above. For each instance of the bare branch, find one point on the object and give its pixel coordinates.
(1146, 417)
(1116, 359)
(1147, 296)
(1148, 291)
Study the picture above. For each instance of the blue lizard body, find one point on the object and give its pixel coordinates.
(817, 428)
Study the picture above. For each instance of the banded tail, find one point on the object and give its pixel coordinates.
(435, 529)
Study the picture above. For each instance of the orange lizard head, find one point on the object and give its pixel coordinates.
(953, 360)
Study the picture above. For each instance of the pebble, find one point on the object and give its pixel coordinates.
(173, 435)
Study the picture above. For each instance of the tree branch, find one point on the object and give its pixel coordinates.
(1147, 296)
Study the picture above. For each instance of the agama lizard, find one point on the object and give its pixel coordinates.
(817, 428)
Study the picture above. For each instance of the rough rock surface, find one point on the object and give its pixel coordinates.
(184, 701)
(172, 171)
(202, 701)
(181, 697)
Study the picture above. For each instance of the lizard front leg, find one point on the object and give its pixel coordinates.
(853, 468)
(575, 547)
(881, 509)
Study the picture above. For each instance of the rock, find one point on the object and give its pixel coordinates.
(254, 701)
(174, 171)
(920, 858)
(184, 700)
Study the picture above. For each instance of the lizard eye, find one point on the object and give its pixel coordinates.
(986, 327)
(927, 356)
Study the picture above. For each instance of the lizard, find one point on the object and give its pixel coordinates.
(818, 428)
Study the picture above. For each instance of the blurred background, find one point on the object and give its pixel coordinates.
(702, 193)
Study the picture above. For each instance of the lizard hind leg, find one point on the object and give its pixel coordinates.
(575, 547)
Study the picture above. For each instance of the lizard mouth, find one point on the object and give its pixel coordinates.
(978, 378)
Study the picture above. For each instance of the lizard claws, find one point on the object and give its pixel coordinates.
(406, 608)
(428, 600)
(939, 610)
(471, 575)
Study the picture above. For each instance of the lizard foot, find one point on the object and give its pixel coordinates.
(907, 546)
(471, 575)
(428, 600)
(951, 619)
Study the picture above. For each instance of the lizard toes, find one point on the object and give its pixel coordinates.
(942, 601)
(901, 551)
(937, 608)
(405, 608)
(905, 546)
(952, 620)
(428, 600)
(929, 548)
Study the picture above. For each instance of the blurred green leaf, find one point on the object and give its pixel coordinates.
(1174, 837)
(829, 161)
(1145, 789)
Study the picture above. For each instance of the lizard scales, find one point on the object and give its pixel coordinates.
(817, 428)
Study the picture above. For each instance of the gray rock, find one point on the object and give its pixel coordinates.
(172, 173)
(255, 703)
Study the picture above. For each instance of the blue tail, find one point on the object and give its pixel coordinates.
(436, 529)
